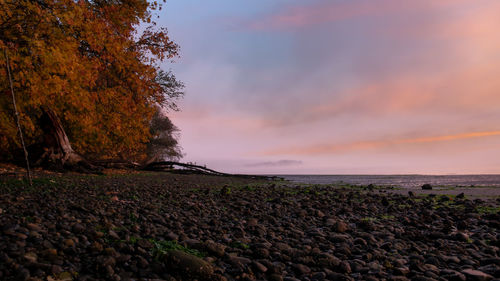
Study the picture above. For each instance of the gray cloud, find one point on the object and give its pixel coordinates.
(279, 163)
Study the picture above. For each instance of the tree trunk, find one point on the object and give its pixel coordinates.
(58, 153)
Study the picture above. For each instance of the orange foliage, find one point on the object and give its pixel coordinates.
(86, 61)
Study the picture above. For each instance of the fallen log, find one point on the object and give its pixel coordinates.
(196, 169)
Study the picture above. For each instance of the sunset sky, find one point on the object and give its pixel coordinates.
(338, 86)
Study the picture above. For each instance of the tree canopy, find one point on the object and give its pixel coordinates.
(88, 62)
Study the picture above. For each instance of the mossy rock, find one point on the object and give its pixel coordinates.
(189, 266)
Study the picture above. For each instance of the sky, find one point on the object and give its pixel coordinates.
(338, 86)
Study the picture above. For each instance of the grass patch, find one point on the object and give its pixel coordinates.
(388, 217)
(483, 210)
(239, 245)
(162, 247)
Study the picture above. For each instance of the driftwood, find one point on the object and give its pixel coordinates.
(196, 169)
(117, 164)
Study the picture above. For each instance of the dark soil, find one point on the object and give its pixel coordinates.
(157, 226)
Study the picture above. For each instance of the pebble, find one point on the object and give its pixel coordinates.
(476, 275)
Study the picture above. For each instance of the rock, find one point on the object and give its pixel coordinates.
(188, 265)
(318, 276)
(301, 269)
(215, 248)
(451, 259)
(252, 222)
(337, 276)
(345, 267)
(385, 202)
(21, 236)
(275, 277)
(327, 260)
(426, 187)
(69, 243)
(319, 214)
(453, 275)
(401, 270)
(476, 275)
(105, 261)
(262, 253)
(31, 257)
(491, 269)
(330, 222)
(239, 261)
(172, 236)
(78, 228)
(259, 267)
(145, 244)
(34, 227)
(398, 278)
(341, 227)
(460, 236)
(113, 235)
(460, 196)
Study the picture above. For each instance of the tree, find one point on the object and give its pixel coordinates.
(87, 63)
(163, 144)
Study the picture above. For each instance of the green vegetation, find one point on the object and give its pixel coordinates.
(487, 210)
(239, 245)
(162, 247)
(387, 217)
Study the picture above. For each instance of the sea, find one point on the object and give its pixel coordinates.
(400, 181)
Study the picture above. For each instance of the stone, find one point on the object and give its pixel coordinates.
(113, 235)
(172, 236)
(78, 228)
(426, 187)
(341, 227)
(476, 275)
(301, 269)
(252, 222)
(34, 227)
(239, 261)
(69, 243)
(275, 277)
(319, 214)
(259, 267)
(215, 248)
(31, 257)
(188, 265)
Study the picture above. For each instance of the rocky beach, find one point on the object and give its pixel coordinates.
(160, 226)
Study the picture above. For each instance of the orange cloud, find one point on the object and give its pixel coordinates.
(363, 145)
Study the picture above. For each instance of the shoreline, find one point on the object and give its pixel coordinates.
(139, 226)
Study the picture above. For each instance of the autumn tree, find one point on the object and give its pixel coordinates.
(87, 63)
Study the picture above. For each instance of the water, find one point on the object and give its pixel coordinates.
(403, 181)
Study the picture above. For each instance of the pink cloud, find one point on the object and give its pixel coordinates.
(333, 11)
